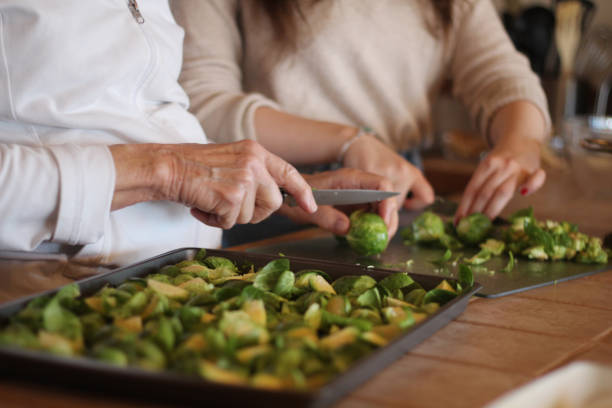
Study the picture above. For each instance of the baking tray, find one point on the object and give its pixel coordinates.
(169, 387)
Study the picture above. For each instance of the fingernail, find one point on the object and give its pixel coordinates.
(524, 191)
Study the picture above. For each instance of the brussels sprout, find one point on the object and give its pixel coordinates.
(256, 311)
(593, 253)
(18, 335)
(494, 246)
(353, 285)
(57, 319)
(239, 325)
(338, 305)
(474, 228)
(536, 252)
(369, 298)
(368, 233)
(168, 290)
(111, 355)
(215, 262)
(339, 339)
(331, 319)
(415, 296)
(268, 276)
(396, 281)
(402, 317)
(439, 296)
(427, 228)
(196, 286)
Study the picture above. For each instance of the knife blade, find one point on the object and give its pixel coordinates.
(342, 196)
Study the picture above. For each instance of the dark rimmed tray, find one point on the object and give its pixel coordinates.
(169, 387)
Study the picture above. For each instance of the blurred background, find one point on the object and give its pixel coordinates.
(569, 46)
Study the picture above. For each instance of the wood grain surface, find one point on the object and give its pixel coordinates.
(495, 346)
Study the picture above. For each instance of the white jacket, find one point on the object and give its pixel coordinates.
(76, 76)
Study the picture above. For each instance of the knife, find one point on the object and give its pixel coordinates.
(342, 196)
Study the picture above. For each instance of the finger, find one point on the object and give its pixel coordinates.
(207, 218)
(482, 172)
(326, 217)
(422, 194)
(503, 194)
(247, 207)
(533, 183)
(286, 176)
(489, 187)
(393, 224)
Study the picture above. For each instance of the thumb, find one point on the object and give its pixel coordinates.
(422, 194)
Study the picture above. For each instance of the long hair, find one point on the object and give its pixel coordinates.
(285, 15)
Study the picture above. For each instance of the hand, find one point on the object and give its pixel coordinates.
(371, 155)
(224, 184)
(513, 165)
(335, 220)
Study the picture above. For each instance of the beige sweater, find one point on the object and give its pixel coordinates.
(365, 62)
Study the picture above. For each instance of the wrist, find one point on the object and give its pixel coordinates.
(356, 135)
(137, 174)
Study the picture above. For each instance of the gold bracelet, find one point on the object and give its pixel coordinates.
(345, 146)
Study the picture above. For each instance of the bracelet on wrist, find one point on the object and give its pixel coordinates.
(346, 145)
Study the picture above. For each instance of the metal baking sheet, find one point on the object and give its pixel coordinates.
(84, 373)
(525, 275)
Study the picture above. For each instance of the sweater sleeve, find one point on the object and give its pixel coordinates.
(58, 193)
(487, 71)
(212, 73)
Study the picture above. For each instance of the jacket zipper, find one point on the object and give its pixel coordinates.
(133, 6)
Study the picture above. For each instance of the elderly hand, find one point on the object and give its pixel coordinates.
(335, 220)
(371, 155)
(224, 184)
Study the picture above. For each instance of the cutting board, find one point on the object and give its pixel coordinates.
(525, 275)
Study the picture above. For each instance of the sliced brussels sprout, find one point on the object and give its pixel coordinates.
(353, 285)
(396, 281)
(256, 311)
(239, 325)
(168, 290)
(473, 229)
(370, 298)
(339, 339)
(338, 305)
(313, 316)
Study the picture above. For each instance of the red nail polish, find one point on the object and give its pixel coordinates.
(524, 191)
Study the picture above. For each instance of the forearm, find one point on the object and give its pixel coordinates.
(300, 140)
(517, 122)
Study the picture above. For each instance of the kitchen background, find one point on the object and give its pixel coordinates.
(531, 25)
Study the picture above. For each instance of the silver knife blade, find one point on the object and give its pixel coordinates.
(343, 196)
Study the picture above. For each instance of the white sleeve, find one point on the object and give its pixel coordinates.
(212, 73)
(60, 193)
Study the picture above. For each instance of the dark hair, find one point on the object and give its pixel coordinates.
(283, 16)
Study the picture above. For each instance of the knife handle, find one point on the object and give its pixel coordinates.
(287, 198)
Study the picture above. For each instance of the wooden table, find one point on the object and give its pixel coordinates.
(495, 346)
